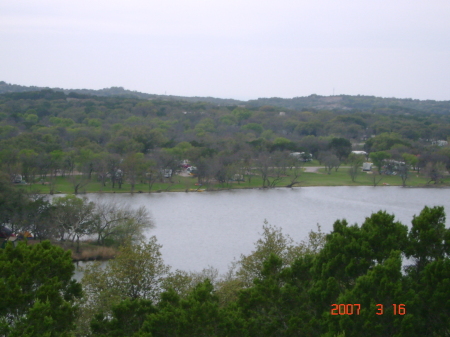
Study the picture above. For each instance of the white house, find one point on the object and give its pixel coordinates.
(360, 152)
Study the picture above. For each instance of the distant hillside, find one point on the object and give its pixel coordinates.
(341, 102)
(362, 103)
(117, 91)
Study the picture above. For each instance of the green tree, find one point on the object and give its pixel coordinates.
(12, 203)
(350, 251)
(10, 163)
(135, 167)
(384, 141)
(28, 159)
(403, 172)
(273, 241)
(36, 216)
(197, 315)
(37, 291)
(341, 147)
(429, 240)
(378, 158)
(263, 306)
(410, 160)
(383, 285)
(281, 144)
(126, 319)
(74, 217)
(277, 304)
(431, 307)
(241, 114)
(257, 128)
(136, 273)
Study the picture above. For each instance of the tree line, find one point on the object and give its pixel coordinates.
(69, 218)
(335, 102)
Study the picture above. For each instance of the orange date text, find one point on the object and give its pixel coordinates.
(354, 309)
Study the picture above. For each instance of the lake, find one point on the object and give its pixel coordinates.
(198, 230)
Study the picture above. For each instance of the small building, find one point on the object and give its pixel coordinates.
(282, 113)
(439, 142)
(167, 173)
(360, 153)
(302, 156)
(367, 167)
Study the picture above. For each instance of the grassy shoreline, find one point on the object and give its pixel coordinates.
(63, 185)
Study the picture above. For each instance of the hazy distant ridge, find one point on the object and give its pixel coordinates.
(341, 102)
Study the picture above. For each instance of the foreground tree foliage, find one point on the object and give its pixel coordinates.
(294, 288)
(136, 273)
(37, 291)
(354, 281)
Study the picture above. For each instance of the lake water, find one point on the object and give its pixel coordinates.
(198, 230)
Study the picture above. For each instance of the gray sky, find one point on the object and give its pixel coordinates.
(231, 49)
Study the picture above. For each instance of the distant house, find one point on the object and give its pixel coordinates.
(282, 113)
(360, 153)
(167, 173)
(439, 142)
(302, 156)
(367, 167)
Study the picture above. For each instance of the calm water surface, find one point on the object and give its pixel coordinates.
(198, 230)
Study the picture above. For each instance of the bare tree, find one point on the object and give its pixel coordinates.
(120, 223)
(9, 160)
(375, 178)
(435, 172)
(403, 172)
(264, 165)
(296, 168)
(79, 180)
(270, 173)
(74, 217)
(355, 161)
(151, 175)
(330, 161)
(134, 166)
(167, 163)
(113, 162)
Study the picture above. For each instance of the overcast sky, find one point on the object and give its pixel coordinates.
(241, 49)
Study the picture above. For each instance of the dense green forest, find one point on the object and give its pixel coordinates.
(353, 281)
(122, 139)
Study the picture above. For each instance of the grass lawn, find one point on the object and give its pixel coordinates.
(342, 178)
(189, 184)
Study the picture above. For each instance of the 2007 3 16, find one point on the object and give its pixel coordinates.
(354, 309)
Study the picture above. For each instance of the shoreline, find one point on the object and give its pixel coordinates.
(245, 188)
(313, 177)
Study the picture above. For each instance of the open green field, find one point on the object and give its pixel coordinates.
(190, 184)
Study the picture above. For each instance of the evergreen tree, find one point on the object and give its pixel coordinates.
(37, 290)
